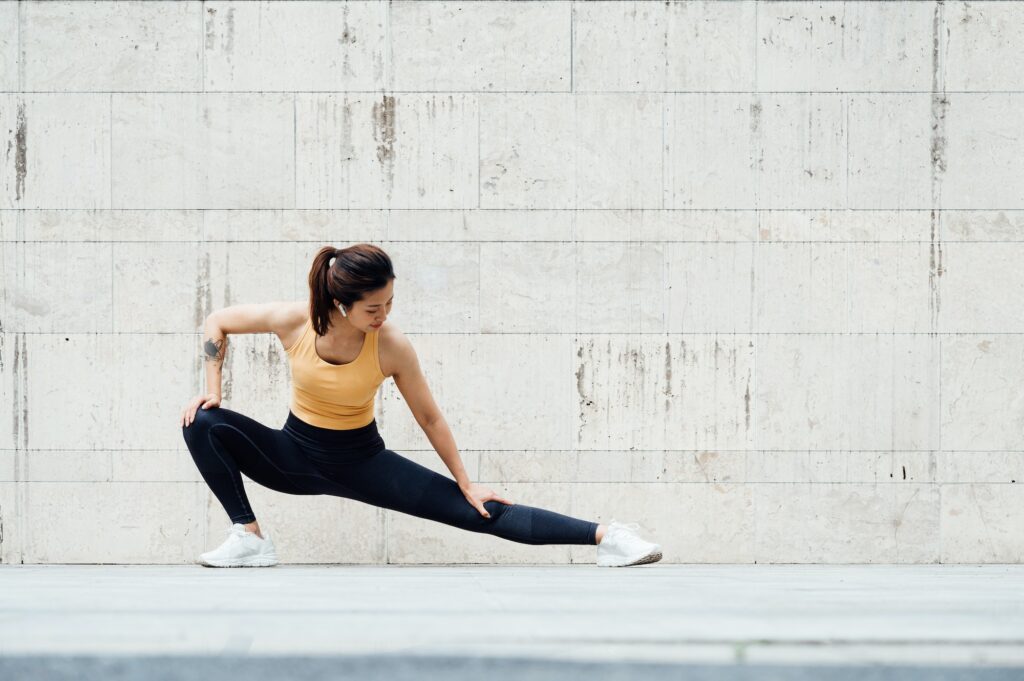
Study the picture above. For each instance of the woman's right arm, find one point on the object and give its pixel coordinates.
(215, 345)
(278, 317)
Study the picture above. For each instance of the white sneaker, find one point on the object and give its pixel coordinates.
(242, 548)
(621, 546)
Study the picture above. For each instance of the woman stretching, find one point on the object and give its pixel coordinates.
(340, 352)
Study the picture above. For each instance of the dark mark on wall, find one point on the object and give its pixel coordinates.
(20, 156)
(384, 132)
(229, 44)
(210, 35)
(939, 108)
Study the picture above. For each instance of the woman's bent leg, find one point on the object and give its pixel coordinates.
(392, 481)
(225, 443)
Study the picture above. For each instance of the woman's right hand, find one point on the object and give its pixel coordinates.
(188, 414)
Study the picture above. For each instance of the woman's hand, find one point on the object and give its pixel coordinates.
(188, 414)
(476, 494)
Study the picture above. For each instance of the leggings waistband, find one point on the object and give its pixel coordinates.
(335, 445)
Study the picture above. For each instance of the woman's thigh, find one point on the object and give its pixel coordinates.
(265, 455)
(390, 480)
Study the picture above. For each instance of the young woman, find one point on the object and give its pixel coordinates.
(340, 351)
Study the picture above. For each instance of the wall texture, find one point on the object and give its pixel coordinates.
(743, 272)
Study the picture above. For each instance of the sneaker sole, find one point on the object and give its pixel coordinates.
(649, 558)
(254, 561)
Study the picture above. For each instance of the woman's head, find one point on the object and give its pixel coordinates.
(354, 284)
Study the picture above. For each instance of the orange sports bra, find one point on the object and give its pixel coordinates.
(338, 396)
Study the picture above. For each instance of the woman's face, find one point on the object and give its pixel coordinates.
(370, 313)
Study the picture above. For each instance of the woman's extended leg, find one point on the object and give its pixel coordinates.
(392, 481)
(225, 443)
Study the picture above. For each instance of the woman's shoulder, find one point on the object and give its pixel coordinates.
(393, 348)
(293, 316)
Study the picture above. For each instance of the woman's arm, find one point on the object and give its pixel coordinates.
(411, 382)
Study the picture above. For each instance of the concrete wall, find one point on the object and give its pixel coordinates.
(743, 272)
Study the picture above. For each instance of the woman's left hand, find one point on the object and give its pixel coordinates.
(476, 494)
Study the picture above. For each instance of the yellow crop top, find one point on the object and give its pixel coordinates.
(338, 396)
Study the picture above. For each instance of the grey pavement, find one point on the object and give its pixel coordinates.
(523, 622)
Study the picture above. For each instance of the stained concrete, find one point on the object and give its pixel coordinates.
(349, 621)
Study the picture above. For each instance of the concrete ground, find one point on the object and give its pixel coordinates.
(523, 622)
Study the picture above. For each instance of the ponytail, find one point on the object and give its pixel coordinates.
(344, 275)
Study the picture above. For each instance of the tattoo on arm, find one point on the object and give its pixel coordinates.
(214, 349)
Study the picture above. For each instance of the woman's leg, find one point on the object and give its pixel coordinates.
(225, 443)
(392, 481)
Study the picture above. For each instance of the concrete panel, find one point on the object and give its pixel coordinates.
(708, 287)
(846, 392)
(129, 522)
(711, 150)
(981, 287)
(848, 225)
(982, 45)
(623, 170)
(866, 287)
(111, 46)
(1006, 467)
(57, 151)
(981, 401)
(889, 158)
(481, 225)
(981, 225)
(650, 392)
(980, 151)
(480, 46)
(981, 522)
(652, 46)
(321, 226)
(58, 287)
(406, 150)
(628, 226)
(260, 46)
(162, 289)
(437, 287)
(799, 523)
(12, 538)
(841, 46)
(205, 150)
(527, 287)
(693, 523)
(528, 154)
(802, 150)
(255, 378)
(143, 226)
(621, 288)
(496, 391)
(85, 389)
(249, 272)
(10, 63)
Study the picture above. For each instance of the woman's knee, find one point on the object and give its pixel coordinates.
(495, 508)
(201, 422)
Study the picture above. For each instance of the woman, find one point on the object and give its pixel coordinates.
(340, 352)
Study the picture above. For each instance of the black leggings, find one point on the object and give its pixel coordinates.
(225, 443)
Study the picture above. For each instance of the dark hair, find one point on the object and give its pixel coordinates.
(355, 271)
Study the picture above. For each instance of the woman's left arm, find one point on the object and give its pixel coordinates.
(411, 382)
